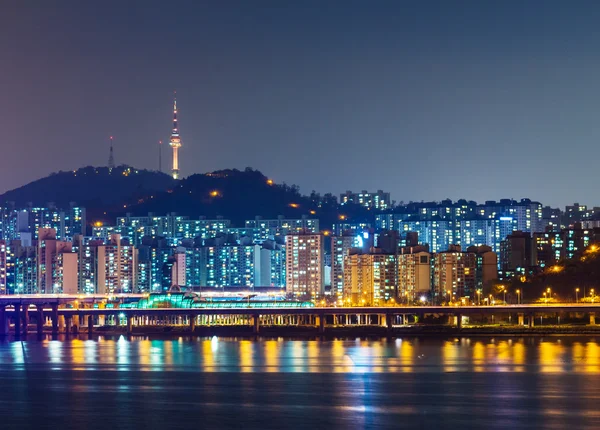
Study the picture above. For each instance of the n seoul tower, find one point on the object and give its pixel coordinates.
(175, 142)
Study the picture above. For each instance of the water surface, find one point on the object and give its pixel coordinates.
(282, 383)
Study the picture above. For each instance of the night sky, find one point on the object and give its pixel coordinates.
(428, 100)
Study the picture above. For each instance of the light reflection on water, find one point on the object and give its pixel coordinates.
(282, 383)
(408, 355)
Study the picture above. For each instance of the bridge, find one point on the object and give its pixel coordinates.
(18, 312)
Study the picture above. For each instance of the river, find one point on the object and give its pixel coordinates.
(221, 383)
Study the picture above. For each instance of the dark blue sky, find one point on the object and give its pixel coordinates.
(428, 100)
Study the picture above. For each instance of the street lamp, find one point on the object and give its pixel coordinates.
(479, 297)
(504, 291)
(545, 298)
(576, 295)
(592, 294)
(518, 297)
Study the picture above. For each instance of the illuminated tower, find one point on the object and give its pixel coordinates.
(175, 142)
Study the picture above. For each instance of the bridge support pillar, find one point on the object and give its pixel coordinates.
(521, 319)
(321, 323)
(3, 322)
(129, 324)
(40, 321)
(76, 324)
(592, 318)
(67, 322)
(90, 325)
(192, 323)
(54, 317)
(389, 322)
(458, 321)
(17, 315)
(531, 318)
(25, 314)
(256, 324)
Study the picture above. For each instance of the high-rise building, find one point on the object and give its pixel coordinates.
(87, 264)
(414, 275)
(484, 231)
(577, 213)
(370, 279)
(439, 234)
(65, 273)
(3, 268)
(517, 254)
(454, 275)
(379, 200)
(202, 228)
(553, 246)
(304, 265)
(25, 268)
(48, 247)
(270, 229)
(277, 269)
(486, 270)
(350, 228)
(340, 246)
(549, 247)
(385, 221)
(116, 266)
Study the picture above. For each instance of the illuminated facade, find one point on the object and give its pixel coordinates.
(437, 233)
(203, 228)
(175, 143)
(370, 279)
(414, 276)
(265, 229)
(304, 264)
(553, 246)
(25, 269)
(454, 275)
(379, 200)
(116, 266)
(87, 256)
(340, 245)
(3, 268)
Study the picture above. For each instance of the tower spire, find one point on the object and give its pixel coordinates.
(175, 141)
(111, 158)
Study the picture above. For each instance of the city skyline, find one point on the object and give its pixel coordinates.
(503, 93)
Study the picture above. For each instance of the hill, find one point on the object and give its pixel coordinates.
(241, 195)
(560, 282)
(92, 187)
(232, 194)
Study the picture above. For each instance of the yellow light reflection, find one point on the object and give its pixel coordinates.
(450, 356)
(272, 355)
(551, 357)
(407, 356)
(246, 348)
(479, 357)
(208, 359)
